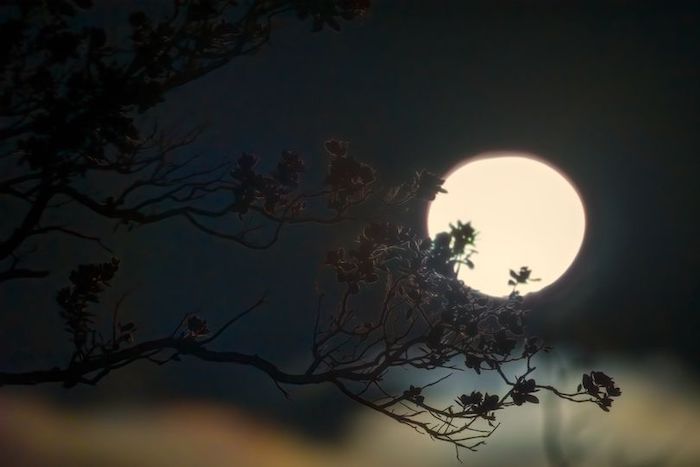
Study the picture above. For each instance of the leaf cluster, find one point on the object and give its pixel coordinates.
(273, 190)
(601, 387)
(87, 282)
(428, 320)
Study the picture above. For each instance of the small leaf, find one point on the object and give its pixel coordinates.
(531, 398)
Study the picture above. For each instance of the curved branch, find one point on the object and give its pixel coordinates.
(20, 273)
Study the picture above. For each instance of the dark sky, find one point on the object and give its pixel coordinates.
(606, 91)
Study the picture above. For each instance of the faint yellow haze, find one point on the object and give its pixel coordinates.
(526, 213)
(33, 433)
(656, 422)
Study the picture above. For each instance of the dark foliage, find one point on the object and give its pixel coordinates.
(87, 283)
(71, 107)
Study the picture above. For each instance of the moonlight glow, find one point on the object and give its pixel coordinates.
(525, 212)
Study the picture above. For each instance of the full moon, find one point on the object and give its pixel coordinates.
(525, 212)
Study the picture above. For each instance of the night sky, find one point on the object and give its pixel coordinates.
(606, 91)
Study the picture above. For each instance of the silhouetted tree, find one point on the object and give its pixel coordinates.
(73, 109)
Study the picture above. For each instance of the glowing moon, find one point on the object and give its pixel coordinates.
(526, 213)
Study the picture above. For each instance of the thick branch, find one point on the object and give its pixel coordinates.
(31, 219)
(22, 274)
(79, 371)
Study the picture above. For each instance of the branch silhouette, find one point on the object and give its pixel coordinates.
(72, 108)
(74, 116)
(427, 320)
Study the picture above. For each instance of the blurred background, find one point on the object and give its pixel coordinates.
(606, 91)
